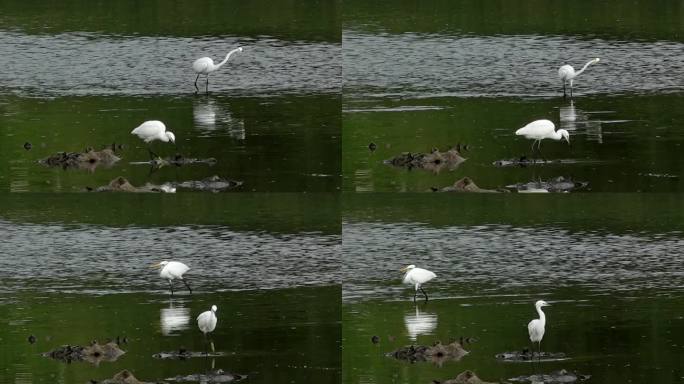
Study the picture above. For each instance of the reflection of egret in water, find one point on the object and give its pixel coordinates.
(574, 119)
(213, 120)
(175, 318)
(422, 323)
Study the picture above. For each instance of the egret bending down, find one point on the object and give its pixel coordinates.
(172, 270)
(152, 130)
(205, 66)
(567, 73)
(536, 326)
(206, 322)
(542, 129)
(416, 277)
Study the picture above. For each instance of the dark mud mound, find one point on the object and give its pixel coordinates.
(94, 353)
(217, 376)
(465, 377)
(123, 377)
(527, 355)
(435, 161)
(466, 184)
(558, 184)
(88, 159)
(438, 353)
(183, 354)
(557, 377)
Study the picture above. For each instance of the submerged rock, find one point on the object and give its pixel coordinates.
(94, 353)
(213, 184)
(435, 161)
(88, 159)
(558, 184)
(527, 355)
(217, 376)
(183, 354)
(438, 353)
(465, 377)
(466, 184)
(179, 160)
(557, 377)
(524, 162)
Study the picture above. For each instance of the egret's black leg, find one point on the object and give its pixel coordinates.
(207, 89)
(564, 94)
(426, 296)
(187, 285)
(196, 78)
(171, 286)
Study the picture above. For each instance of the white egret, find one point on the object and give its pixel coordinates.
(172, 270)
(542, 129)
(205, 66)
(206, 322)
(567, 73)
(152, 130)
(416, 277)
(536, 326)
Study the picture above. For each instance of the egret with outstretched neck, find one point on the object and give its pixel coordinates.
(172, 270)
(205, 66)
(567, 73)
(152, 130)
(206, 322)
(542, 129)
(536, 327)
(417, 277)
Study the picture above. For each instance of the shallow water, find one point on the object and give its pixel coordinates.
(610, 273)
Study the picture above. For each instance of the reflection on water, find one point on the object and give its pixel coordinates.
(175, 318)
(574, 120)
(419, 322)
(213, 119)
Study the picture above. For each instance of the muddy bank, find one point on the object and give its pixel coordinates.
(465, 377)
(435, 161)
(558, 184)
(527, 355)
(466, 184)
(557, 377)
(436, 353)
(94, 353)
(89, 159)
(211, 184)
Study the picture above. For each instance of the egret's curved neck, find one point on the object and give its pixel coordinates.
(590, 62)
(556, 136)
(542, 316)
(226, 59)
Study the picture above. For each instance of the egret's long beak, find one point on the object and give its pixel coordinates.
(155, 265)
(403, 269)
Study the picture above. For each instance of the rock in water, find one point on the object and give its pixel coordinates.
(465, 377)
(217, 376)
(94, 353)
(438, 353)
(434, 161)
(82, 160)
(557, 377)
(466, 184)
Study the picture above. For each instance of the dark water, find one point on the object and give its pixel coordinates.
(611, 275)
(421, 76)
(75, 269)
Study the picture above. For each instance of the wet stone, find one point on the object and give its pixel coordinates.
(527, 355)
(434, 161)
(216, 376)
(183, 354)
(465, 377)
(94, 353)
(436, 353)
(465, 184)
(123, 377)
(556, 377)
(558, 184)
(89, 159)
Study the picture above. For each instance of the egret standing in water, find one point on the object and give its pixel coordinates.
(172, 270)
(206, 322)
(417, 277)
(542, 129)
(152, 130)
(536, 326)
(567, 73)
(205, 66)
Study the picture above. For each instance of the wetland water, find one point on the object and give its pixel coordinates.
(86, 79)
(76, 270)
(611, 275)
(419, 77)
